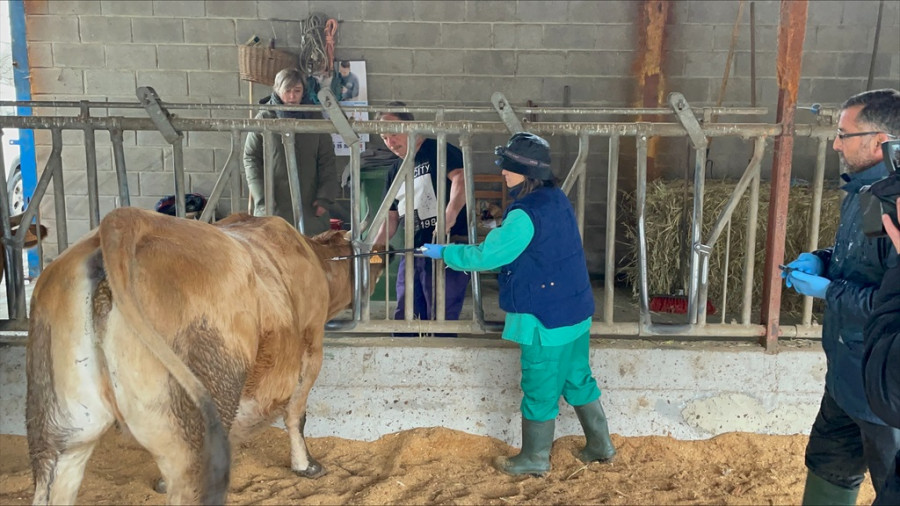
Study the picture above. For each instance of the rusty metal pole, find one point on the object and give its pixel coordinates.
(652, 19)
(791, 31)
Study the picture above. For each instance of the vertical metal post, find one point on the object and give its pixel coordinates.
(409, 228)
(465, 144)
(90, 157)
(268, 182)
(641, 205)
(696, 234)
(59, 193)
(290, 156)
(178, 164)
(115, 135)
(791, 31)
(815, 217)
(235, 174)
(750, 254)
(609, 270)
(581, 194)
(440, 295)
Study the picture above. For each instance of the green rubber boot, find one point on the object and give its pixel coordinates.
(819, 492)
(593, 421)
(534, 459)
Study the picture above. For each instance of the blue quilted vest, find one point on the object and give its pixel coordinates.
(549, 279)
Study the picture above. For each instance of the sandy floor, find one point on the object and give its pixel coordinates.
(442, 466)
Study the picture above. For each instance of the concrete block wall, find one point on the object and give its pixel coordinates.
(433, 53)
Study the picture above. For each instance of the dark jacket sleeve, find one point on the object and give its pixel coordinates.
(253, 167)
(329, 188)
(881, 362)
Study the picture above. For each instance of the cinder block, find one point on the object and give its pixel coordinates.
(52, 28)
(130, 56)
(529, 36)
(848, 64)
(694, 89)
(689, 37)
(517, 89)
(223, 58)
(202, 183)
(415, 88)
(591, 11)
(77, 207)
(491, 62)
(210, 31)
(581, 37)
(221, 140)
(204, 84)
(230, 9)
(438, 61)
(148, 138)
(504, 36)
(109, 82)
(161, 30)
(715, 12)
(388, 61)
(486, 12)
(466, 89)
(536, 63)
(80, 7)
(471, 35)
(364, 34)
(180, 57)
(77, 55)
(601, 63)
(141, 159)
(57, 80)
(860, 13)
(531, 11)
(129, 8)
(439, 10)
(613, 91)
(415, 35)
(765, 63)
(835, 90)
(191, 9)
(40, 55)
(342, 11)
(105, 29)
(166, 83)
(843, 38)
(705, 64)
(195, 160)
(396, 10)
(279, 9)
(157, 184)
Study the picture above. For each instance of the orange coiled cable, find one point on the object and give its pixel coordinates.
(331, 27)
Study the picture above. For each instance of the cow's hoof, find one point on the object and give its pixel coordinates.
(160, 486)
(313, 470)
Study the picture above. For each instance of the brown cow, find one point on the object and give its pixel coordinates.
(151, 316)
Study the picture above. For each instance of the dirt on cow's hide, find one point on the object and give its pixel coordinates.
(443, 466)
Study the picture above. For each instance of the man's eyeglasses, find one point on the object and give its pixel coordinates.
(842, 135)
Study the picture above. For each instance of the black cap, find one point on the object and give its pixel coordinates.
(525, 154)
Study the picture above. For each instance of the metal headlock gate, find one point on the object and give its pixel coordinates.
(172, 128)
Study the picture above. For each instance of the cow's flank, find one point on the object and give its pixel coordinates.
(182, 332)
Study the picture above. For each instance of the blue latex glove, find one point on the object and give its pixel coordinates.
(433, 250)
(806, 262)
(807, 284)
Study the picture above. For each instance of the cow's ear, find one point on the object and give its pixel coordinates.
(347, 236)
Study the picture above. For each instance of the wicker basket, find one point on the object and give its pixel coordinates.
(261, 64)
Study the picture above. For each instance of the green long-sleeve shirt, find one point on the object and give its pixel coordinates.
(500, 247)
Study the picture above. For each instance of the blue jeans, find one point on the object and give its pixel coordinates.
(455, 284)
(841, 448)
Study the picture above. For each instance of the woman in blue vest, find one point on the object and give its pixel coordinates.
(546, 293)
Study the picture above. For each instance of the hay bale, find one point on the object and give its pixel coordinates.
(668, 239)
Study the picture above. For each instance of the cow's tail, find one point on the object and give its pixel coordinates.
(120, 232)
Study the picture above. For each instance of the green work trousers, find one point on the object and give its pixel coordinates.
(551, 371)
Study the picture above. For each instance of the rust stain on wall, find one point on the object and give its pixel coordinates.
(647, 68)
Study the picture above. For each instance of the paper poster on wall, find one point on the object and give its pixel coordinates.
(348, 83)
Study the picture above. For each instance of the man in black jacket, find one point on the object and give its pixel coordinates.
(881, 362)
(847, 438)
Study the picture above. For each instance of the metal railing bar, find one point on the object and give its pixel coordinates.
(609, 271)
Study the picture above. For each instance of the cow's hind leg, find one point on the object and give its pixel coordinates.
(65, 413)
(302, 462)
